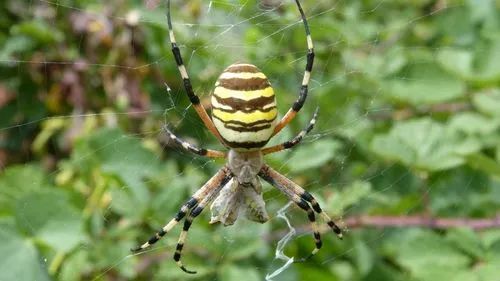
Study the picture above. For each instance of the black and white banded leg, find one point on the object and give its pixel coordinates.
(188, 222)
(297, 105)
(296, 140)
(192, 148)
(303, 199)
(218, 180)
(315, 205)
(193, 98)
(310, 215)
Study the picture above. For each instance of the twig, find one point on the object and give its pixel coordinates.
(366, 221)
(421, 221)
(406, 113)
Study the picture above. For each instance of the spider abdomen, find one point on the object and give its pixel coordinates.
(244, 107)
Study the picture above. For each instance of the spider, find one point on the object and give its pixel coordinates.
(244, 118)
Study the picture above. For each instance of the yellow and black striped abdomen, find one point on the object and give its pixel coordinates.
(243, 107)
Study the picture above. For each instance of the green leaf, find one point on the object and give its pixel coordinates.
(424, 144)
(16, 181)
(351, 195)
(233, 272)
(242, 233)
(125, 157)
(481, 10)
(466, 240)
(15, 44)
(489, 272)
(20, 260)
(74, 265)
(112, 252)
(39, 30)
(488, 102)
(375, 65)
(456, 26)
(49, 217)
(314, 155)
(473, 123)
(498, 153)
(481, 162)
(476, 128)
(424, 83)
(430, 257)
(363, 257)
(344, 270)
(451, 188)
(384, 271)
(490, 236)
(480, 66)
(310, 272)
(168, 270)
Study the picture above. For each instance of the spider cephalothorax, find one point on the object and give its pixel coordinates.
(244, 118)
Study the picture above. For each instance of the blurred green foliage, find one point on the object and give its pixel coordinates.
(409, 93)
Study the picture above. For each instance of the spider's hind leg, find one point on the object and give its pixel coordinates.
(315, 205)
(219, 179)
(303, 199)
(182, 238)
(189, 220)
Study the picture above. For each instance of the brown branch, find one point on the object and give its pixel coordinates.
(421, 221)
(406, 113)
(365, 221)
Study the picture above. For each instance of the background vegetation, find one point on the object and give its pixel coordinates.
(406, 153)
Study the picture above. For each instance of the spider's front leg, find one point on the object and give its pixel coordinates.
(192, 148)
(217, 181)
(296, 140)
(303, 199)
(297, 105)
(193, 98)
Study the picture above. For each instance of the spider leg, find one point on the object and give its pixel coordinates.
(192, 148)
(302, 198)
(315, 205)
(296, 140)
(297, 105)
(220, 178)
(195, 100)
(189, 220)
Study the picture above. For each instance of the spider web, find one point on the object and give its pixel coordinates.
(223, 33)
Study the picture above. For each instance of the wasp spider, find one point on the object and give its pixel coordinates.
(244, 118)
